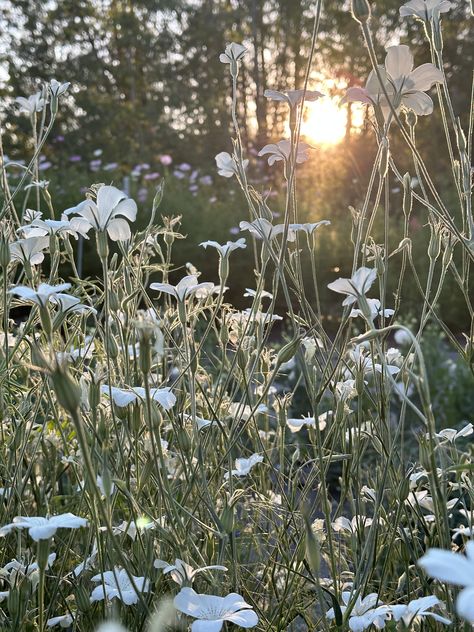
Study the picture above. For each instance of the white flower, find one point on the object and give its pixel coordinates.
(364, 613)
(183, 573)
(32, 104)
(42, 295)
(356, 286)
(29, 250)
(57, 88)
(293, 97)
(123, 397)
(40, 528)
(375, 309)
(210, 611)
(456, 569)
(295, 425)
(40, 228)
(309, 227)
(282, 151)
(117, 583)
(68, 304)
(418, 608)
(425, 9)
(233, 52)
(227, 165)
(108, 212)
(14, 567)
(263, 229)
(358, 522)
(225, 249)
(403, 85)
(186, 287)
(88, 562)
(450, 434)
(253, 293)
(243, 466)
(64, 621)
(130, 527)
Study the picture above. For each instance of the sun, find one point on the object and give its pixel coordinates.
(324, 121)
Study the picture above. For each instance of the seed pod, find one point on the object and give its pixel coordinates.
(361, 11)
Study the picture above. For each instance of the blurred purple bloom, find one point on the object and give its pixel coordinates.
(110, 166)
(152, 176)
(166, 159)
(75, 158)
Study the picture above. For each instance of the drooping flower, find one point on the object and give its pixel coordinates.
(227, 165)
(42, 295)
(40, 528)
(29, 250)
(310, 227)
(211, 612)
(375, 309)
(404, 85)
(117, 584)
(186, 287)
(356, 286)
(243, 466)
(457, 569)
(293, 97)
(282, 151)
(418, 608)
(183, 573)
(108, 213)
(123, 397)
(32, 104)
(425, 9)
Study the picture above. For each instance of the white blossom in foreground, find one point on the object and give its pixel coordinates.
(457, 569)
(211, 612)
(417, 609)
(123, 397)
(356, 286)
(186, 287)
(227, 165)
(40, 296)
(283, 150)
(109, 213)
(117, 583)
(57, 88)
(243, 466)
(42, 227)
(183, 573)
(364, 613)
(68, 304)
(403, 84)
(293, 97)
(425, 9)
(40, 528)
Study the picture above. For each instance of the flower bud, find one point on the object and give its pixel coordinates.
(384, 157)
(361, 11)
(5, 256)
(82, 599)
(68, 392)
(288, 351)
(227, 519)
(434, 247)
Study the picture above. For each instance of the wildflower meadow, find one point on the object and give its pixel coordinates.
(170, 460)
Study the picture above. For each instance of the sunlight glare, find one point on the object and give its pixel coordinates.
(324, 121)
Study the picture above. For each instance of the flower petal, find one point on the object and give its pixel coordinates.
(419, 102)
(399, 61)
(425, 76)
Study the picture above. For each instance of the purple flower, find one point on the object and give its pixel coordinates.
(184, 166)
(178, 174)
(152, 176)
(75, 158)
(206, 180)
(44, 165)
